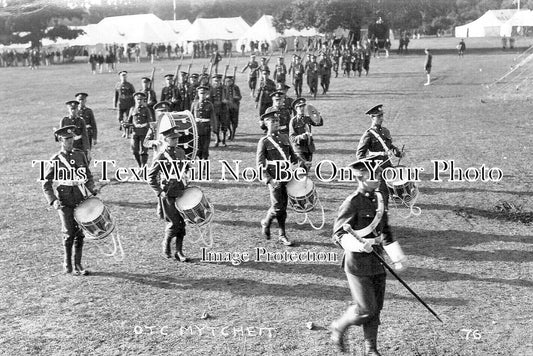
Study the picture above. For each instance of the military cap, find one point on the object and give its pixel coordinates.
(252, 55)
(361, 166)
(146, 79)
(375, 111)
(195, 75)
(162, 105)
(277, 94)
(122, 71)
(184, 73)
(217, 76)
(139, 93)
(282, 86)
(202, 87)
(270, 115)
(72, 103)
(84, 95)
(171, 133)
(266, 70)
(229, 77)
(169, 76)
(65, 131)
(298, 102)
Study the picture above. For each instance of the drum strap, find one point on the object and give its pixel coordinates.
(81, 186)
(277, 147)
(377, 218)
(380, 139)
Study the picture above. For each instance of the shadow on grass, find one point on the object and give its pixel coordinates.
(475, 190)
(136, 205)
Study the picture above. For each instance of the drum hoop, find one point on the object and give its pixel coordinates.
(296, 207)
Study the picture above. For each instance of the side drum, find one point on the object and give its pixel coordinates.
(94, 218)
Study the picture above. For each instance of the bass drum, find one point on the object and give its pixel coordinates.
(186, 124)
(313, 113)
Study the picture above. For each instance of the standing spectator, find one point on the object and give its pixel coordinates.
(137, 54)
(461, 47)
(427, 65)
(92, 61)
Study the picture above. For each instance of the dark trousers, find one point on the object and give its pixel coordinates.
(139, 151)
(72, 235)
(298, 87)
(368, 293)
(278, 201)
(252, 82)
(175, 227)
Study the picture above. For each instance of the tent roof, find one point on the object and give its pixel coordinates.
(262, 30)
(521, 18)
(179, 26)
(230, 28)
(146, 28)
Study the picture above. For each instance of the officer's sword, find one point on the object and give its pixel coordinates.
(348, 229)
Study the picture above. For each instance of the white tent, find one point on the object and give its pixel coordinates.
(144, 28)
(231, 28)
(178, 26)
(519, 21)
(306, 32)
(490, 24)
(262, 30)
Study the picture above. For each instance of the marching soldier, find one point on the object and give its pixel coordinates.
(376, 142)
(287, 100)
(284, 112)
(123, 98)
(170, 93)
(219, 98)
(81, 137)
(88, 116)
(300, 131)
(184, 92)
(367, 54)
(366, 276)
(280, 71)
(139, 118)
(298, 71)
(234, 102)
(266, 88)
(275, 147)
(167, 190)
(71, 191)
(204, 113)
(252, 76)
(335, 56)
(358, 58)
(346, 62)
(215, 59)
(312, 75)
(151, 98)
(263, 66)
(151, 140)
(325, 66)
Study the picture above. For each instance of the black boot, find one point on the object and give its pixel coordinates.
(78, 248)
(282, 234)
(166, 247)
(67, 261)
(218, 140)
(179, 256)
(224, 139)
(137, 159)
(370, 332)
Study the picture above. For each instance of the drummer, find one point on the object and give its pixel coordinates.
(70, 192)
(275, 146)
(167, 191)
(376, 144)
(300, 131)
(151, 139)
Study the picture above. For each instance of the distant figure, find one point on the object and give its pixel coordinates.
(461, 47)
(504, 42)
(427, 65)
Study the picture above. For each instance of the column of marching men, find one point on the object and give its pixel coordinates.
(214, 103)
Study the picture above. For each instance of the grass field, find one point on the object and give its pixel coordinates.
(471, 262)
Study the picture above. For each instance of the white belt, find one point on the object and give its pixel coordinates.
(269, 162)
(282, 127)
(77, 137)
(88, 126)
(377, 153)
(203, 120)
(70, 183)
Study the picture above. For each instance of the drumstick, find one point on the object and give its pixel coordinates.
(400, 156)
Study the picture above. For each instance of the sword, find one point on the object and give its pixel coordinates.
(349, 230)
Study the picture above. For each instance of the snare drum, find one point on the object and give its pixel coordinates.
(302, 195)
(400, 189)
(185, 123)
(194, 206)
(94, 218)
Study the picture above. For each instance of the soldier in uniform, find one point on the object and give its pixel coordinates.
(335, 58)
(312, 75)
(252, 76)
(300, 131)
(139, 118)
(346, 62)
(88, 116)
(262, 67)
(266, 88)
(234, 102)
(123, 98)
(376, 142)
(81, 137)
(366, 276)
(280, 71)
(184, 92)
(167, 191)
(71, 191)
(219, 98)
(215, 59)
(275, 147)
(358, 59)
(151, 140)
(170, 93)
(367, 54)
(298, 71)
(194, 83)
(204, 113)
(284, 112)
(325, 66)
(287, 100)
(151, 98)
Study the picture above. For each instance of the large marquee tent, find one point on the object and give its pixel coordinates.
(490, 24)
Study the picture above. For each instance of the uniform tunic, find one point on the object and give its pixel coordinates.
(123, 98)
(204, 113)
(234, 102)
(170, 93)
(90, 123)
(219, 98)
(302, 143)
(252, 76)
(140, 118)
(266, 88)
(81, 137)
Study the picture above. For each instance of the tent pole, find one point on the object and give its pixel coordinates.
(174, 10)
